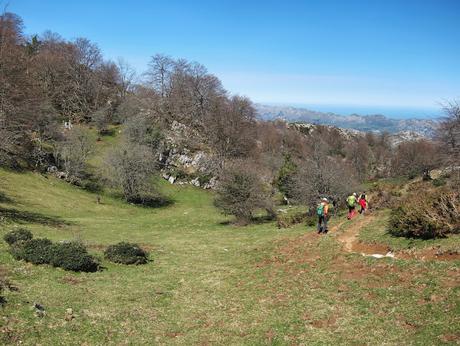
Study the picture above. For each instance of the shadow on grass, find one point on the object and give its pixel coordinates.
(152, 202)
(108, 132)
(155, 201)
(21, 216)
(263, 219)
(256, 220)
(4, 198)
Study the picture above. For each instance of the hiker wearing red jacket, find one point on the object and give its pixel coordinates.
(362, 200)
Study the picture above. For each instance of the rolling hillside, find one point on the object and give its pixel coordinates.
(209, 282)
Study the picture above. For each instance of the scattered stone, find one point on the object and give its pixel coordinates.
(39, 310)
(195, 182)
(211, 184)
(376, 255)
(69, 314)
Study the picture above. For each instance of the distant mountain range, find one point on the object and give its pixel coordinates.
(374, 123)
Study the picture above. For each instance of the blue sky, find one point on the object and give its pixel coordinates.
(374, 54)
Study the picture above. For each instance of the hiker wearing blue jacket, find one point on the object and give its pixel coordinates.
(321, 211)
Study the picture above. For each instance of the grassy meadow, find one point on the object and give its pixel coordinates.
(209, 282)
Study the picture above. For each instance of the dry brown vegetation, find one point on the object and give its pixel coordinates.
(427, 213)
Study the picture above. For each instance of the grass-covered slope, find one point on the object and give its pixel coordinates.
(209, 282)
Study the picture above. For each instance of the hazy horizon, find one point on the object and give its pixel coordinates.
(388, 111)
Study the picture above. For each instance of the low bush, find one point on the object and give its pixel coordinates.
(384, 196)
(73, 256)
(92, 185)
(427, 213)
(311, 220)
(20, 234)
(126, 253)
(290, 217)
(36, 251)
(438, 182)
(151, 201)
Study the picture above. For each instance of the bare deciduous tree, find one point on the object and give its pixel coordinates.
(130, 167)
(73, 151)
(230, 128)
(126, 78)
(241, 191)
(449, 133)
(415, 158)
(321, 176)
(159, 74)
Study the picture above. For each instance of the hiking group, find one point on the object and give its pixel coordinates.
(353, 201)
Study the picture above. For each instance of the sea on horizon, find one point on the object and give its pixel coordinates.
(388, 111)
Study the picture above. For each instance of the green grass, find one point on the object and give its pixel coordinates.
(101, 147)
(210, 282)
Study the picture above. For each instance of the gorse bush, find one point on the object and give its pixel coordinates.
(73, 256)
(126, 253)
(36, 251)
(427, 214)
(69, 256)
(150, 200)
(20, 234)
(291, 217)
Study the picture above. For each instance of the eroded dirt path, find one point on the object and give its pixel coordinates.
(348, 237)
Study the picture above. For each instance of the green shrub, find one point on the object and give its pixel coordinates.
(204, 178)
(150, 200)
(311, 220)
(291, 217)
(73, 256)
(286, 175)
(427, 214)
(36, 251)
(20, 234)
(438, 182)
(126, 253)
(92, 185)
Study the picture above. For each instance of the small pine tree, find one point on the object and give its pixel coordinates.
(286, 175)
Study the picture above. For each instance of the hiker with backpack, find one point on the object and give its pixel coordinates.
(362, 201)
(351, 203)
(322, 211)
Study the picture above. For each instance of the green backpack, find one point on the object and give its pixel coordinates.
(320, 209)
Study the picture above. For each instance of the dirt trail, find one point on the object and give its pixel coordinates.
(349, 239)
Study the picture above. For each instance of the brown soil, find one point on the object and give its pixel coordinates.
(367, 248)
(349, 239)
(450, 338)
(326, 323)
(72, 280)
(430, 255)
(304, 250)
